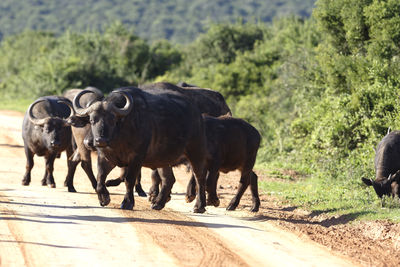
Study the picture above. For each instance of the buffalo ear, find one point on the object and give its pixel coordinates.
(367, 181)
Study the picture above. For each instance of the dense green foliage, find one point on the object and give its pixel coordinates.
(35, 63)
(322, 91)
(178, 20)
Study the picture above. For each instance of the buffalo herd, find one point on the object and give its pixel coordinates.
(159, 126)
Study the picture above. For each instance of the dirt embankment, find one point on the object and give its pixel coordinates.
(42, 226)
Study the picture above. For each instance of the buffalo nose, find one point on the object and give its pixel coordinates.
(88, 142)
(100, 142)
(55, 143)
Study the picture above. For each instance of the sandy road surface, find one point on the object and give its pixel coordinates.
(40, 226)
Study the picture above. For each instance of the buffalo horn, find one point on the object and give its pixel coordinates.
(80, 111)
(70, 107)
(31, 117)
(128, 106)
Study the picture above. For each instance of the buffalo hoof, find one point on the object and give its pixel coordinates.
(52, 185)
(153, 193)
(189, 198)
(114, 182)
(256, 205)
(127, 205)
(71, 189)
(142, 193)
(152, 198)
(44, 182)
(254, 209)
(213, 202)
(231, 207)
(104, 200)
(199, 210)
(157, 206)
(25, 182)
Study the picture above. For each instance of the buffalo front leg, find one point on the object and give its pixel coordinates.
(133, 171)
(69, 180)
(29, 165)
(200, 175)
(87, 167)
(103, 169)
(119, 180)
(167, 181)
(138, 186)
(48, 176)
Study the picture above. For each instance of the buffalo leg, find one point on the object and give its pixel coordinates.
(44, 179)
(86, 163)
(133, 171)
(195, 155)
(119, 180)
(138, 186)
(191, 189)
(49, 178)
(200, 205)
(103, 169)
(87, 167)
(167, 181)
(69, 180)
(243, 184)
(254, 192)
(29, 165)
(155, 186)
(211, 187)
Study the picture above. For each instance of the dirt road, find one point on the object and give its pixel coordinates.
(41, 226)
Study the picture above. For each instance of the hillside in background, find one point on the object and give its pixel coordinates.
(177, 20)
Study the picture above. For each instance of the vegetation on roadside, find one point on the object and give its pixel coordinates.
(322, 91)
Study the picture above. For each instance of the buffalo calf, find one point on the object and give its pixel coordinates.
(232, 144)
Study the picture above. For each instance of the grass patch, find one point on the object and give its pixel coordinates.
(344, 197)
(15, 104)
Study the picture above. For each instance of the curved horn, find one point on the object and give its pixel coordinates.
(390, 176)
(128, 106)
(80, 111)
(31, 117)
(70, 107)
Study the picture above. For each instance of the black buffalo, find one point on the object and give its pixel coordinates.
(155, 128)
(232, 144)
(207, 101)
(387, 166)
(84, 140)
(46, 132)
